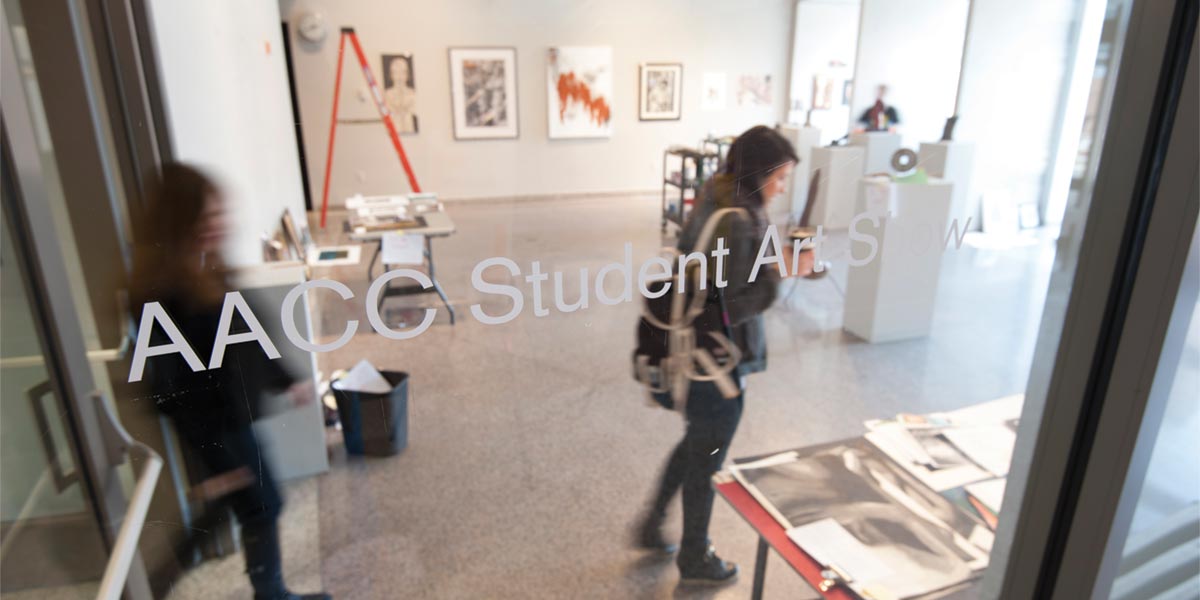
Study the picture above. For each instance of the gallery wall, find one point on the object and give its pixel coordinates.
(825, 43)
(225, 85)
(1016, 66)
(915, 48)
(749, 37)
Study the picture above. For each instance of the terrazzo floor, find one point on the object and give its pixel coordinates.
(531, 450)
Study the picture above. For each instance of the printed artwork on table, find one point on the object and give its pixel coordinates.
(400, 91)
(579, 84)
(754, 90)
(483, 90)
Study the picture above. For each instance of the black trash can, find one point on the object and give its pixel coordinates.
(375, 424)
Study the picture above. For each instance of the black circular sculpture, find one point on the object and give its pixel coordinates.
(904, 160)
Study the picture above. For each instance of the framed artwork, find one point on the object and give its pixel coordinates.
(822, 93)
(483, 90)
(713, 88)
(400, 91)
(754, 90)
(660, 91)
(579, 84)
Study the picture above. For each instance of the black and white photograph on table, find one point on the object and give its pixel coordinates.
(400, 91)
(660, 91)
(927, 542)
(483, 90)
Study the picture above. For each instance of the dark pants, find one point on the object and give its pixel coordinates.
(711, 421)
(257, 506)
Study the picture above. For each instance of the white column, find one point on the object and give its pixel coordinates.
(891, 297)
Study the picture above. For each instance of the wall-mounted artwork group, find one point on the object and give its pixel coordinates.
(579, 92)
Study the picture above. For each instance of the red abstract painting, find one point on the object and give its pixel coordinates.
(573, 89)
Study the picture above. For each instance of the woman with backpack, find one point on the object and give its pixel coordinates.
(756, 171)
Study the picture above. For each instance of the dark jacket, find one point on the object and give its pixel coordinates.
(745, 301)
(206, 403)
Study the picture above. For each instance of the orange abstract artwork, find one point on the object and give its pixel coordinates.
(573, 89)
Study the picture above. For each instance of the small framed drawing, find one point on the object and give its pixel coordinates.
(483, 90)
(660, 91)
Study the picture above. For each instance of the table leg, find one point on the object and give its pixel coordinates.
(437, 287)
(760, 569)
(374, 258)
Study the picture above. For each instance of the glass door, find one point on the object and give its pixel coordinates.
(51, 538)
(64, 481)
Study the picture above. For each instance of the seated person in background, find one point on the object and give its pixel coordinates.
(881, 116)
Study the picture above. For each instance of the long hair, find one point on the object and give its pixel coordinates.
(753, 156)
(167, 260)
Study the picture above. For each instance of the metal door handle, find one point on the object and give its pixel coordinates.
(35, 394)
(119, 444)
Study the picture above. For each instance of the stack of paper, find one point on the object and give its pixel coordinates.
(364, 377)
(990, 493)
(926, 455)
(989, 446)
(403, 249)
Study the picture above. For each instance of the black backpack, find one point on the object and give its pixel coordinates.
(685, 335)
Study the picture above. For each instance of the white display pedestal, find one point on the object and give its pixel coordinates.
(880, 146)
(804, 138)
(293, 436)
(891, 297)
(953, 161)
(841, 168)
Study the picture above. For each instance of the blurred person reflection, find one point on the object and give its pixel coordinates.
(881, 116)
(757, 169)
(178, 264)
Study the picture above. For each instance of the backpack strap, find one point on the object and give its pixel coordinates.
(702, 242)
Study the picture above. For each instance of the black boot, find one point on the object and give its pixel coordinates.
(649, 536)
(709, 569)
(291, 596)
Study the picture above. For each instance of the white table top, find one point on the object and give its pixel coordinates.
(437, 224)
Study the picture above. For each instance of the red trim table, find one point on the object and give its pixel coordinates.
(772, 534)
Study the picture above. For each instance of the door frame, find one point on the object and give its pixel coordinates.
(1100, 331)
(35, 239)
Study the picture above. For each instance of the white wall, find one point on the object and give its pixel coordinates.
(915, 48)
(225, 85)
(826, 31)
(1015, 66)
(705, 35)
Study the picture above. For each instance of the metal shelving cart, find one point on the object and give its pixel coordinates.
(695, 167)
(719, 146)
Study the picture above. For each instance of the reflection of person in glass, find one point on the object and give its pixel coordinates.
(400, 94)
(881, 116)
(178, 265)
(759, 163)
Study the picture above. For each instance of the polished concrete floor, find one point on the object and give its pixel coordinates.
(531, 450)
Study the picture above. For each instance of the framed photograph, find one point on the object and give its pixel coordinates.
(579, 84)
(400, 91)
(483, 90)
(660, 91)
